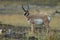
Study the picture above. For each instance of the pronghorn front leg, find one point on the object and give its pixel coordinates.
(32, 28)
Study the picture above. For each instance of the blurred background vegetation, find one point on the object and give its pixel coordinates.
(37, 2)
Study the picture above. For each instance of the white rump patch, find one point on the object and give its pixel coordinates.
(0, 31)
(49, 18)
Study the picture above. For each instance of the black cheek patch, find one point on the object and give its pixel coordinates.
(25, 13)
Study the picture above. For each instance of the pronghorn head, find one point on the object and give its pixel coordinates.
(26, 11)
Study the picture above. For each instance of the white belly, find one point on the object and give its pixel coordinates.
(38, 21)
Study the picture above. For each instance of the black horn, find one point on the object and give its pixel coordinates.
(26, 11)
(23, 8)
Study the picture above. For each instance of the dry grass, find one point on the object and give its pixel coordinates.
(13, 19)
(55, 22)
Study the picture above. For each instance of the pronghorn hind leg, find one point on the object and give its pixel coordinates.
(47, 27)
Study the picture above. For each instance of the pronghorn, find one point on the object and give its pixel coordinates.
(37, 19)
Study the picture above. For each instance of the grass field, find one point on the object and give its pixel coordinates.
(20, 20)
(17, 18)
